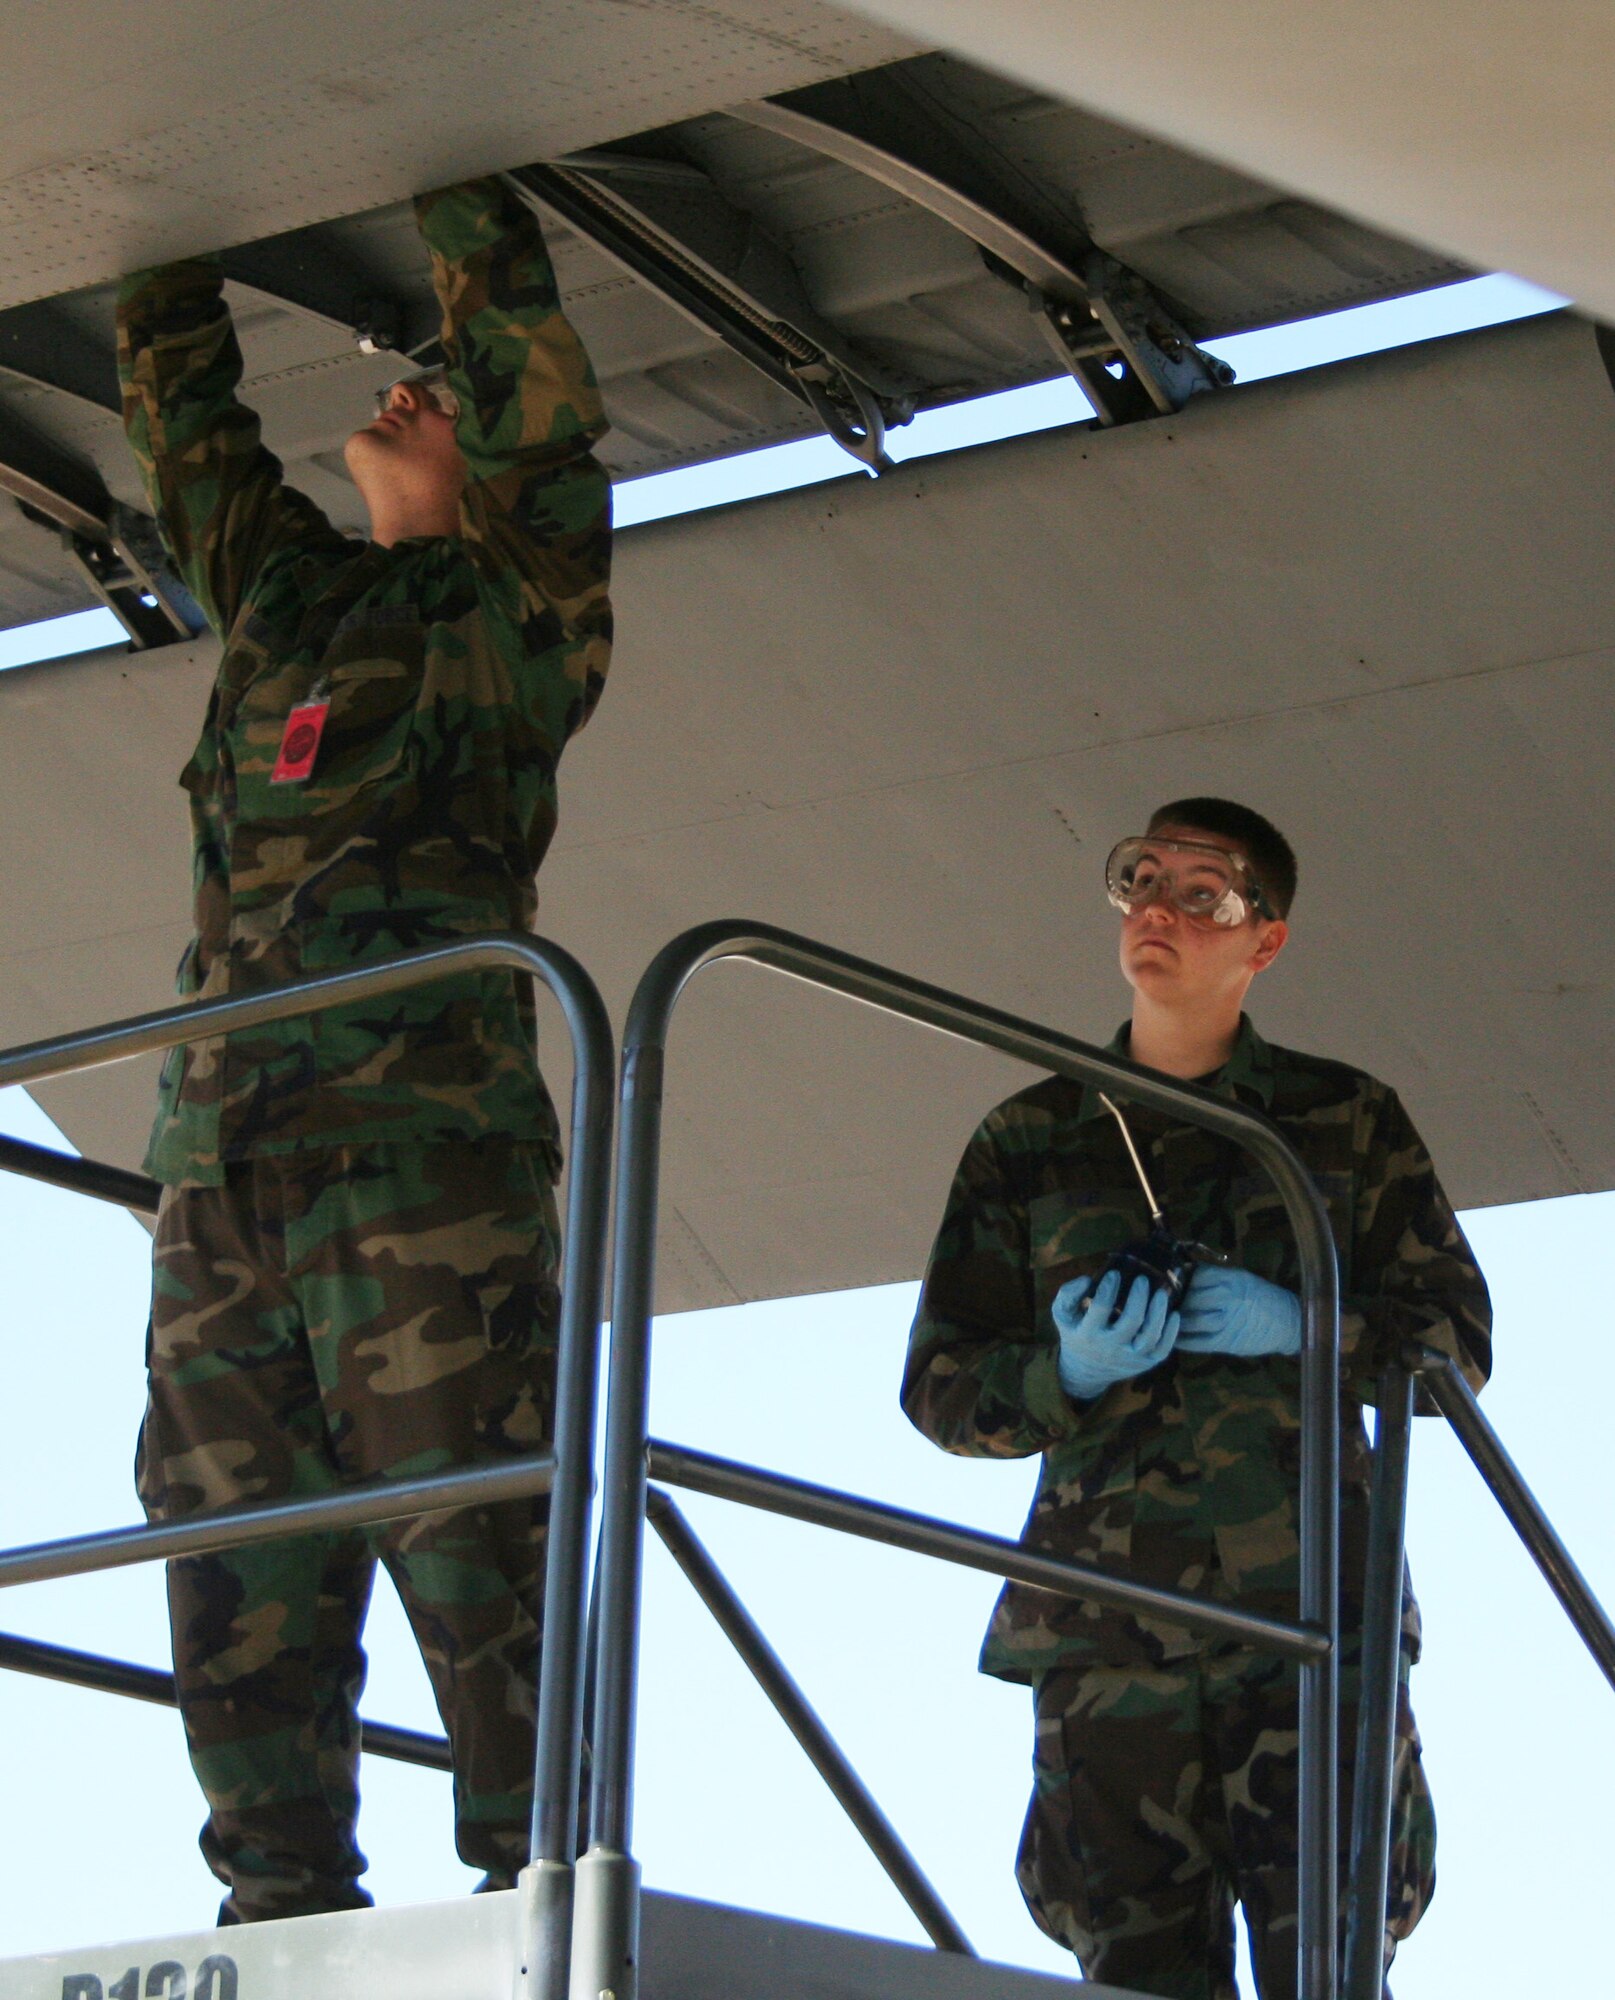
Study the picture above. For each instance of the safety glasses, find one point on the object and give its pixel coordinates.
(433, 382)
(1196, 878)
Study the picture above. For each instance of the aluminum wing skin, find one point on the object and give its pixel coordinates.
(830, 241)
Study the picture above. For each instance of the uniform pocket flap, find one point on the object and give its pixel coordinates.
(372, 669)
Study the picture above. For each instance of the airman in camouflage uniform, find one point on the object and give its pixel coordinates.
(1165, 1763)
(356, 1255)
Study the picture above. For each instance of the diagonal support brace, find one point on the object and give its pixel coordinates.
(778, 335)
(800, 1718)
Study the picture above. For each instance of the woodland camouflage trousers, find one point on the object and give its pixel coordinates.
(1163, 1795)
(323, 1319)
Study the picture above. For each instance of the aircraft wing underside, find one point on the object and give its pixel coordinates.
(882, 237)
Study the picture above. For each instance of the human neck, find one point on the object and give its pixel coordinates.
(397, 517)
(1182, 1044)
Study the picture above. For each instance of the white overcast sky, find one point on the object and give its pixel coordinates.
(99, 1838)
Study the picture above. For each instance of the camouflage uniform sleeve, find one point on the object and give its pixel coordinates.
(218, 494)
(1414, 1276)
(982, 1376)
(536, 516)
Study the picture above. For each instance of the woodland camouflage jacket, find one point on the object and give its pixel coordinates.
(1186, 1476)
(456, 668)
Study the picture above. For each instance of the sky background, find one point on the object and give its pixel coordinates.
(1518, 1724)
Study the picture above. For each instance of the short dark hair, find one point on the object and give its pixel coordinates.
(1271, 856)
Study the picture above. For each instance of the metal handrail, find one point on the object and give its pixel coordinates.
(970, 1548)
(1373, 1800)
(102, 1675)
(271, 1520)
(605, 1945)
(79, 1176)
(567, 1472)
(1441, 1375)
(611, 1917)
(1373, 1789)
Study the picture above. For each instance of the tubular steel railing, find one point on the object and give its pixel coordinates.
(605, 1931)
(1441, 1377)
(1440, 1374)
(593, 1950)
(92, 1177)
(1372, 1789)
(566, 1472)
(20, 1655)
(970, 1548)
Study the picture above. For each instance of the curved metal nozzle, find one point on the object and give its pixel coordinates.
(1156, 1214)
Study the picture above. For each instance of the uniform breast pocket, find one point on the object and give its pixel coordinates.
(367, 728)
(369, 684)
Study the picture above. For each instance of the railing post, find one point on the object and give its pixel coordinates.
(1317, 1930)
(547, 1884)
(1372, 1800)
(605, 1948)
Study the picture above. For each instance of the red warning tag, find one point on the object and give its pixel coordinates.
(301, 743)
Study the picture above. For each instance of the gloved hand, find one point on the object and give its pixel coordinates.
(1230, 1311)
(1093, 1354)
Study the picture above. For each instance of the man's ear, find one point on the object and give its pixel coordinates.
(1269, 944)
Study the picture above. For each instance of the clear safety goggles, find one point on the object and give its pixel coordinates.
(433, 382)
(1193, 876)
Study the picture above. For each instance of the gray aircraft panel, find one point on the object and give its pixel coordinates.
(1477, 125)
(301, 183)
(909, 716)
(225, 120)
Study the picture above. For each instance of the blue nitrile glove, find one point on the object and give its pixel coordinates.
(1230, 1311)
(1093, 1354)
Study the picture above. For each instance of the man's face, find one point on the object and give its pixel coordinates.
(1187, 961)
(409, 447)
